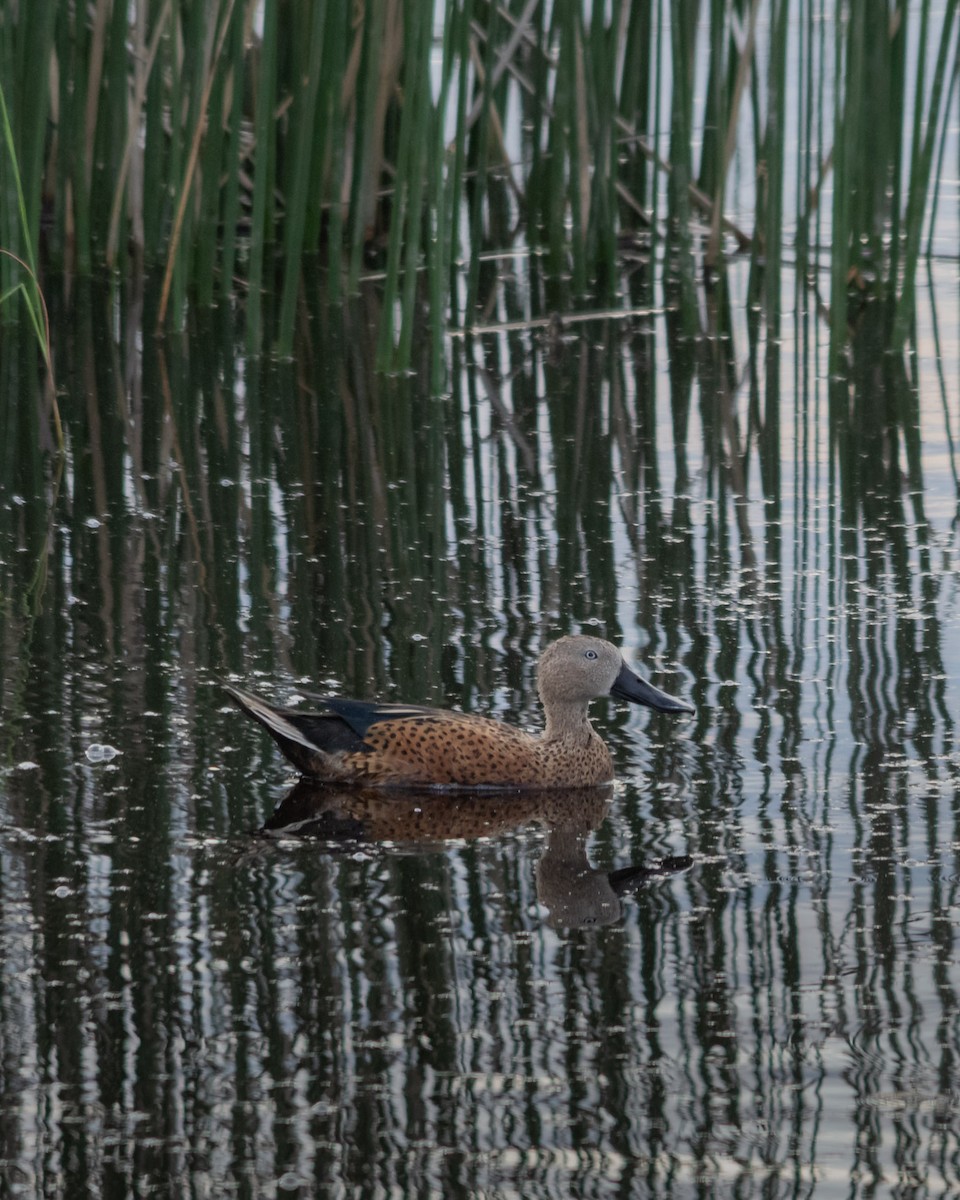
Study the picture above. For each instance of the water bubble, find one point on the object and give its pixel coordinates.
(98, 752)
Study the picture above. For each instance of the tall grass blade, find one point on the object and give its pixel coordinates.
(919, 183)
(233, 160)
(144, 68)
(302, 114)
(29, 290)
(679, 263)
(261, 231)
(745, 61)
(941, 153)
(418, 89)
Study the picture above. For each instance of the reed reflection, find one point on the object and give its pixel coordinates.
(481, 1008)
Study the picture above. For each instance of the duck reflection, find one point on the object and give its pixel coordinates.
(577, 894)
(574, 892)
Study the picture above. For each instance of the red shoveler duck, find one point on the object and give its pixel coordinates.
(400, 745)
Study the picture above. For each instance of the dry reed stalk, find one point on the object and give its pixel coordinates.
(144, 66)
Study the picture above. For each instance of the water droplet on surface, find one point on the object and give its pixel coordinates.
(98, 752)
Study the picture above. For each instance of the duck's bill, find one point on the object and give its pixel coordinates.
(631, 879)
(629, 686)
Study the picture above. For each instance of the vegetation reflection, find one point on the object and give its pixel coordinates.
(261, 1004)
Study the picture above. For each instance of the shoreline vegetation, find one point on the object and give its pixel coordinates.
(223, 147)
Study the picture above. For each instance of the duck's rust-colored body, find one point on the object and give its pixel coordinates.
(394, 745)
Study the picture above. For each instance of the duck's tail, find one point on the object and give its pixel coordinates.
(283, 725)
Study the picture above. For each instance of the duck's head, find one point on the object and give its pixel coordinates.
(575, 670)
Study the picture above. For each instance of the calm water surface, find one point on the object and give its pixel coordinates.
(732, 975)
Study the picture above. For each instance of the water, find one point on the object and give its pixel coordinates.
(733, 974)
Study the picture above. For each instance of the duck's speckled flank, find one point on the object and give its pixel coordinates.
(459, 750)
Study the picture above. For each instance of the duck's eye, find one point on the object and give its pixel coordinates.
(591, 654)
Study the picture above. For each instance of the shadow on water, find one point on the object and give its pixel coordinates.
(184, 1008)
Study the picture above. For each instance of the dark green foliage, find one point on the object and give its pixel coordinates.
(229, 140)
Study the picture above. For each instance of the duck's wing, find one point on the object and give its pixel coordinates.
(306, 736)
(359, 715)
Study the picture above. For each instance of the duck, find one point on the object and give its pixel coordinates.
(371, 744)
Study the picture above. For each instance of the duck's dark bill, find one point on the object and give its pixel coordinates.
(629, 686)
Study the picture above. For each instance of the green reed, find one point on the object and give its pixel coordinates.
(18, 275)
(227, 143)
(886, 129)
